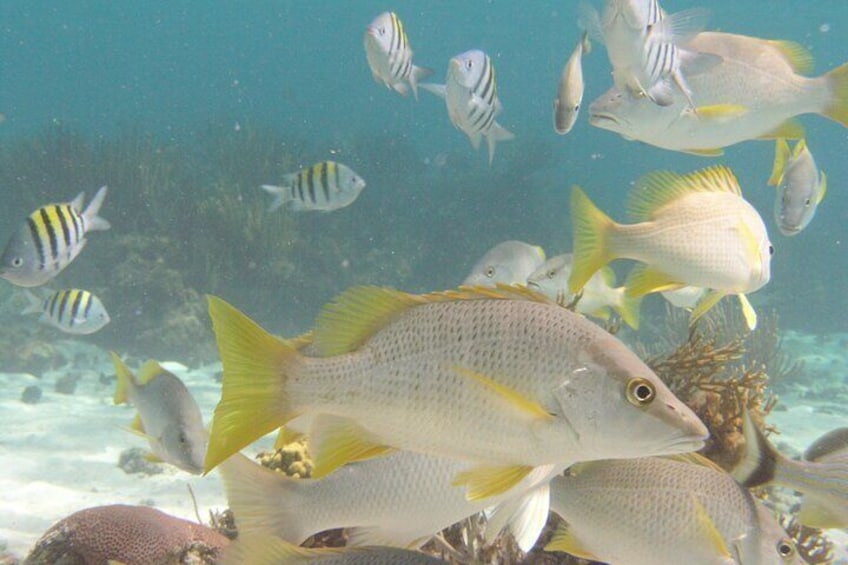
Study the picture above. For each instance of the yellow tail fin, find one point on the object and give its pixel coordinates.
(591, 245)
(837, 108)
(256, 367)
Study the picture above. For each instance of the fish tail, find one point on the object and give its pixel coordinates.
(282, 194)
(628, 309)
(591, 239)
(837, 108)
(253, 395)
(124, 379)
(92, 220)
(34, 304)
(418, 74)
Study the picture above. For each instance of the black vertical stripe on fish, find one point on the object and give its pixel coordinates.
(61, 213)
(75, 307)
(335, 180)
(76, 219)
(310, 182)
(88, 303)
(50, 305)
(51, 234)
(63, 304)
(395, 47)
(324, 180)
(489, 121)
(407, 68)
(489, 89)
(299, 184)
(39, 245)
(486, 64)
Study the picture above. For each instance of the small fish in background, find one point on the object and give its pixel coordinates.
(652, 510)
(50, 239)
(821, 477)
(643, 45)
(470, 93)
(168, 416)
(800, 186)
(570, 90)
(599, 294)
(692, 230)
(325, 186)
(509, 262)
(390, 56)
(755, 92)
(73, 311)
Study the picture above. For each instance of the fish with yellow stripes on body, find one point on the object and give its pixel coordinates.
(691, 230)
(50, 239)
(73, 311)
(325, 186)
(390, 56)
(470, 92)
(801, 186)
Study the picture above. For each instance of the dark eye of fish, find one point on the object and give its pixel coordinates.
(382, 31)
(807, 202)
(785, 548)
(490, 272)
(469, 64)
(640, 392)
(551, 274)
(182, 438)
(771, 249)
(17, 261)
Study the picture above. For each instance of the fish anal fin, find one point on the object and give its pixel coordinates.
(485, 481)
(644, 279)
(565, 541)
(340, 441)
(705, 304)
(513, 397)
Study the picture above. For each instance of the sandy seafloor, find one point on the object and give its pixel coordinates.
(60, 455)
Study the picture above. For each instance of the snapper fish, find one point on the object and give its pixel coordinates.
(509, 262)
(655, 510)
(502, 378)
(325, 186)
(755, 92)
(800, 186)
(390, 56)
(471, 96)
(691, 230)
(73, 311)
(50, 238)
(168, 416)
(570, 90)
(821, 477)
(643, 44)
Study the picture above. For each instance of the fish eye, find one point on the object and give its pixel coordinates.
(182, 438)
(551, 274)
(381, 31)
(18, 262)
(469, 64)
(490, 272)
(577, 107)
(807, 202)
(771, 249)
(640, 392)
(785, 548)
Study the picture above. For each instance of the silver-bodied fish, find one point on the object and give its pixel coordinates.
(800, 186)
(655, 510)
(325, 186)
(50, 239)
(470, 93)
(73, 311)
(503, 378)
(755, 92)
(509, 262)
(390, 56)
(822, 477)
(168, 416)
(692, 230)
(570, 91)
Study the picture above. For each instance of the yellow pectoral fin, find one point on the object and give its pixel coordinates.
(514, 398)
(485, 481)
(748, 312)
(717, 152)
(339, 441)
(707, 302)
(563, 540)
(644, 280)
(721, 111)
(709, 530)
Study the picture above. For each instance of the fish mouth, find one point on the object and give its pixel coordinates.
(533, 285)
(684, 444)
(600, 118)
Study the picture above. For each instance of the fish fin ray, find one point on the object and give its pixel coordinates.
(798, 56)
(93, 221)
(837, 107)
(124, 379)
(748, 312)
(781, 156)
(680, 27)
(659, 188)
(418, 74)
(433, 88)
(705, 304)
(513, 397)
(592, 231)
(485, 481)
(341, 441)
(629, 308)
(790, 129)
(644, 279)
(565, 541)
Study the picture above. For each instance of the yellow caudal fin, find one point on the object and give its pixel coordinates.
(124, 379)
(485, 481)
(706, 303)
(837, 107)
(253, 396)
(339, 441)
(628, 309)
(781, 156)
(563, 540)
(592, 229)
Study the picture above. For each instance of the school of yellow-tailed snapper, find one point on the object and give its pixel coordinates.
(422, 410)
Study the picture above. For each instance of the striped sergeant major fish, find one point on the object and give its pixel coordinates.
(49, 239)
(643, 44)
(73, 311)
(472, 99)
(390, 56)
(325, 186)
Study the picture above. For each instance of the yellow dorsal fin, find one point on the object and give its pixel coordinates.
(721, 111)
(125, 379)
(485, 481)
(717, 152)
(563, 540)
(781, 156)
(339, 441)
(345, 324)
(659, 188)
(799, 148)
(748, 312)
(798, 57)
(704, 305)
(790, 129)
(513, 397)
(822, 188)
(708, 528)
(644, 279)
(149, 371)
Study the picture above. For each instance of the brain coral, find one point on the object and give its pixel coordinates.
(132, 535)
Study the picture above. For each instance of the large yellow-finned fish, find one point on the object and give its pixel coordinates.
(692, 230)
(502, 378)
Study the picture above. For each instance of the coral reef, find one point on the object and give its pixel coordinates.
(132, 535)
(292, 459)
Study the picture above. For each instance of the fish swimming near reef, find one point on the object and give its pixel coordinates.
(509, 262)
(470, 93)
(822, 476)
(800, 186)
(570, 91)
(325, 186)
(691, 230)
(755, 92)
(657, 510)
(50, 238)
(598, 296)
(168, 416)
(390, 56)
(73, 311)
(503, 378)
